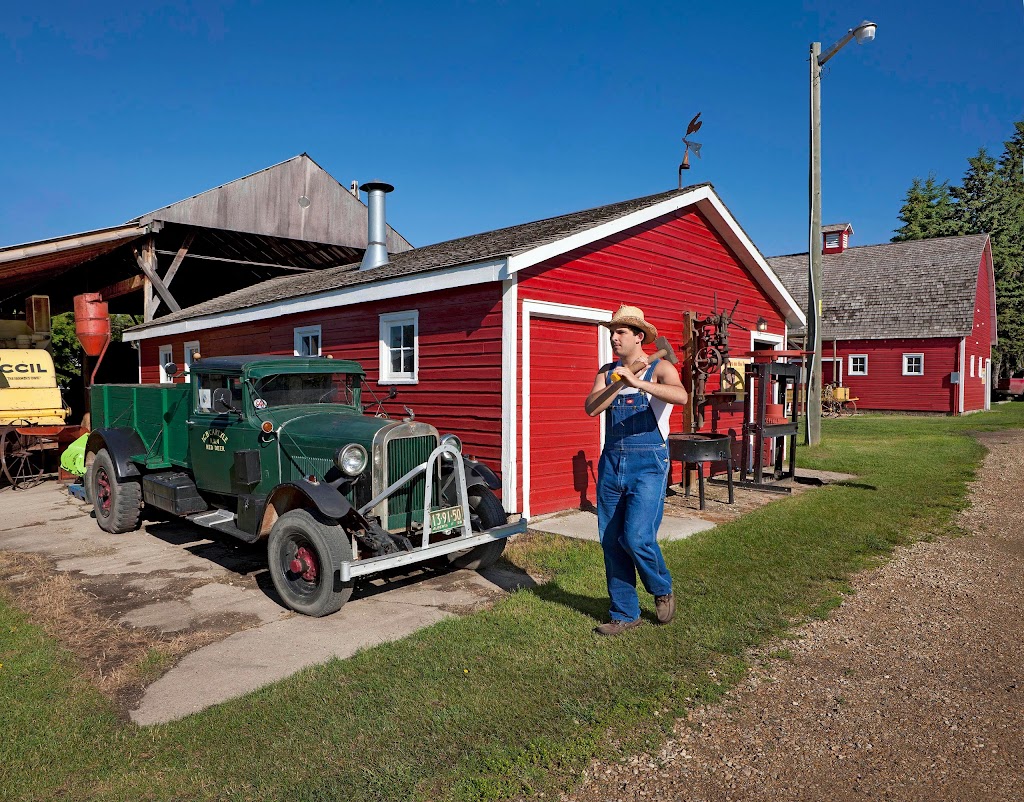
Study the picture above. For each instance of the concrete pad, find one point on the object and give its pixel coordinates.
(206, 601)
(583, 526)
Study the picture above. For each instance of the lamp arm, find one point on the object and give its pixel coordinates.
(835, 48)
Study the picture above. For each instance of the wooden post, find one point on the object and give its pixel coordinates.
(147, 262)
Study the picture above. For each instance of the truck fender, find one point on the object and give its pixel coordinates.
(121, 444)
(303, 495)
(479, 475)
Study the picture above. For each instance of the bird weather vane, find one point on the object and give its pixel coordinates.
(692, 128)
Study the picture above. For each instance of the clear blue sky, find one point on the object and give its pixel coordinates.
(490, 114)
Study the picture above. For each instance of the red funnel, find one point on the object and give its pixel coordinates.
(92, 323)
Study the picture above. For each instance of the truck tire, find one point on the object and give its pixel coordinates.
(305, 551)
(485, 506)
(118, 504)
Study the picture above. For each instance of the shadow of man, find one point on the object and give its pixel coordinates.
(582, 471)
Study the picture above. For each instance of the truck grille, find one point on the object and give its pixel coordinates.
(403, 447)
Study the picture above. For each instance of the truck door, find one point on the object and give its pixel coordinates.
(214, 436)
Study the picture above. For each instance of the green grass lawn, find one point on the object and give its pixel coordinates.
(515, 700)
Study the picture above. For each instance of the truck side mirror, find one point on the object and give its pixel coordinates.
(222, 400)
(170, 368)
(392, 392)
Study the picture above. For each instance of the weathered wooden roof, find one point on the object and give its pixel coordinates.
(921, 288)
(834, 227)
(267, 202)
(500, 243)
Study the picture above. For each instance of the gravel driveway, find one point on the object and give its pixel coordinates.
(911, 690)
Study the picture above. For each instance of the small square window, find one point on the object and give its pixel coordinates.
(832, 240)
(399, 348)
(307, 341)
(858, 365)
(191, 351)
(913, 364)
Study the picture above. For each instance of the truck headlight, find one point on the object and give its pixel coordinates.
(451, 439)
(351, 459)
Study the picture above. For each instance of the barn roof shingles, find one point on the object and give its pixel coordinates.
(921, 288)
(465, 250)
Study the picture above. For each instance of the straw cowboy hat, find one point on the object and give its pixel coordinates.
(632, 316)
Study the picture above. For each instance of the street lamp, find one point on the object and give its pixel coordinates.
(864, 32)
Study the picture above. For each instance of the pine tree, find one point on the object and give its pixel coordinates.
(928, 211)
(1008, 251)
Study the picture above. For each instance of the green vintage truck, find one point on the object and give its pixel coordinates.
(282, 448)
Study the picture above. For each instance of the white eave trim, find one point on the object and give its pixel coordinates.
(69, 243)
(400, 286)
(708, 202)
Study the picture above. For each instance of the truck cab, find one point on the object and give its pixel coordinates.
(282, 449)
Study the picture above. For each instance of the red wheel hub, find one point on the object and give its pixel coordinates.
(304, 564)
(103, 485)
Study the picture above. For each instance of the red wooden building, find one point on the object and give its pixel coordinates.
(494, 336)
(907, 326)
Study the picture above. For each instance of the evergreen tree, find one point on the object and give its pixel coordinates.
(928, 211)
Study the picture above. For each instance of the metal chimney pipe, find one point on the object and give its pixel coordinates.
(376, 226)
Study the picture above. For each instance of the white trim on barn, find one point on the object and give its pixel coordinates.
(451, 278)
(509, 375)
(557, 312)
(960, 389)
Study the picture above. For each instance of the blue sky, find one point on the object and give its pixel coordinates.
(489, 114)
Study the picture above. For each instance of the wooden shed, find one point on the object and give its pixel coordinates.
(907, 326)
(495, 336)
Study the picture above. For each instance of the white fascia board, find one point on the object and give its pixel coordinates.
(416, 284)
(705, 199)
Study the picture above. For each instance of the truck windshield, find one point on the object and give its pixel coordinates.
(284, 389)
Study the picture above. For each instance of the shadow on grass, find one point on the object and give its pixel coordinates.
(593, 607)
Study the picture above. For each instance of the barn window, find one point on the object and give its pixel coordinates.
(972, 366)
(166, 355)
(399, 347)
(307, 341)
(191, 351)
(913, 364)
(858, 365)
(832, 240)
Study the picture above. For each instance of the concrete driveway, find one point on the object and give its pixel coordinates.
(172, 577)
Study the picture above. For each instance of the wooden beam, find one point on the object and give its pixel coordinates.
(178, 258)
(146, 259)
(126, 287)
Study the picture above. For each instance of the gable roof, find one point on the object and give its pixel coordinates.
(267, 202)
(490, 256)
(920, 288)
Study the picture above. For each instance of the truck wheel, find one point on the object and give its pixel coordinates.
(483, 505)
(118, 503)
(305, 551)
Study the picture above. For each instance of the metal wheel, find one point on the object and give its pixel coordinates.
(707, 360)
(305, 552)
(850, 408)
(22, 459)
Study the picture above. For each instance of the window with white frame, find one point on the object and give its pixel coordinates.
(858, 365)
(972, 366)
(913, 364)
(191, 351)
(307, 341)
(399, 347)
(166, 355)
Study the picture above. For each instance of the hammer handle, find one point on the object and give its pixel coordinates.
(656, 355)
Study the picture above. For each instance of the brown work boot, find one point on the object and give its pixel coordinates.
(616, 627)
(665, 607)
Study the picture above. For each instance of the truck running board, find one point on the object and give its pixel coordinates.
(222, 521)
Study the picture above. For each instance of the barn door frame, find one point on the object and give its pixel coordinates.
(553, 311)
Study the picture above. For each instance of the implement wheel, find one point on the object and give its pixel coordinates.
(118, 504)
(305, 552)
(486, 512)
(21, 456)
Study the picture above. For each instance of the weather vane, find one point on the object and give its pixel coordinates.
(692, 128)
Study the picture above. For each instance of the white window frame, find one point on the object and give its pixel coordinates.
(387, 322)
(301, 332)
(833, 240)
(906, 359)
(165, 355)
(191, 349)
(851, 371)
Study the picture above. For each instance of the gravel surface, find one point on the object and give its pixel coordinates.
(911, 690)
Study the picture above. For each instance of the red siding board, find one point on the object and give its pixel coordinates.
(886, 388)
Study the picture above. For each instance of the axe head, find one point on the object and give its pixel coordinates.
(662, 344)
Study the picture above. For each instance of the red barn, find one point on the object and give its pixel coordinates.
(907, 326)
(494, 336)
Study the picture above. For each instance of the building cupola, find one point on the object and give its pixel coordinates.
(836, 237)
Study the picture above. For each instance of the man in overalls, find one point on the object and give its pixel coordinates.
(633, 471)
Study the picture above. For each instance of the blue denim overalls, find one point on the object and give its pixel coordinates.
(630, 500)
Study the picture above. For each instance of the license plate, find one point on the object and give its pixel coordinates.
(445, 518)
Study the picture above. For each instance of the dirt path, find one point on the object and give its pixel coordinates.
(912, 690)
